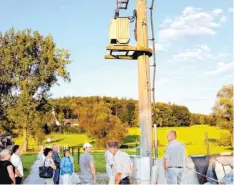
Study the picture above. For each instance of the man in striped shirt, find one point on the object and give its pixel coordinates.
(174, 159)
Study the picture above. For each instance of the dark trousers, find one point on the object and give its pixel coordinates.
(56, 176)
(18, 180)
(125, 180)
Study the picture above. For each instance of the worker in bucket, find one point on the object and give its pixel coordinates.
(174, 159)
(109, 166)
(123, 166)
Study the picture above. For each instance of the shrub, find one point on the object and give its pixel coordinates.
(225, 139)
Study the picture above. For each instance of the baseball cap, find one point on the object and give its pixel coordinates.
(87, 145)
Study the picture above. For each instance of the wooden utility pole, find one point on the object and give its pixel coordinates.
(144, 87)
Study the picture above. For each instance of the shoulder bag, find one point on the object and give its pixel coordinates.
(46, 172)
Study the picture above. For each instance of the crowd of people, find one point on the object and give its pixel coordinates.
(119, 166)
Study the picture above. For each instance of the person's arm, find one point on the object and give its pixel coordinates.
(17, 172)
(166, 157)
(132, 167)
(92, 167)
(93, 170)
(166, 163)
(184, 156)
(11, 173)
(117, 178)
(62, 166)
(118, 169)
(52, 165)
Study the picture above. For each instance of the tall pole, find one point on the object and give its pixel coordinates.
(144, 87)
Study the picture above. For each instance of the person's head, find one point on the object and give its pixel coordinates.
(113, 147)
(48, 152)
(16, 150)
(171, 135)
(87, 147)
(55, 148)
(67, 153)
(5, 155)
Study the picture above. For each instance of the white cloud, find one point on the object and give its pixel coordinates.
(222, 54)
(162, 81)
(191, 22)
(202, 52)
(223, 20)
(221, 68)
(230, 10)
(227, 77)
(217, 12)
(162, 47)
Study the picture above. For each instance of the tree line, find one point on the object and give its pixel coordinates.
(166, 114)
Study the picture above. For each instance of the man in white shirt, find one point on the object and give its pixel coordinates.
(109, 166)
(123, 166)
(16, 161)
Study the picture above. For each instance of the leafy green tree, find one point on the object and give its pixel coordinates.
(35, 64)
(131, 113)
(98, 122)
(223, 109)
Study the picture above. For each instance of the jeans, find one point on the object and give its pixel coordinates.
(174, 175)
(56, 176)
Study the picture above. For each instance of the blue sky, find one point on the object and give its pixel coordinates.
(194, 47)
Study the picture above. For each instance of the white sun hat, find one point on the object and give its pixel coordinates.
(87, 145)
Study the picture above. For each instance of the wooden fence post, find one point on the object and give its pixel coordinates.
(207, 143)
(78, 155)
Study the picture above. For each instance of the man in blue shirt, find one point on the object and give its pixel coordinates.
(174, 159)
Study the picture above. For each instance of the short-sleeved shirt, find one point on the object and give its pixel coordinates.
(109, 158)
(48, 161)
(85, 170)
(175, 153)
(16, 161)
(122, 164)
(4, 175)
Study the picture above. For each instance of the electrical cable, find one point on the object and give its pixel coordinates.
(154, 72)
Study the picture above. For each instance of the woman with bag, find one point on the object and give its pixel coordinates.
(46, 171)
(66, 168)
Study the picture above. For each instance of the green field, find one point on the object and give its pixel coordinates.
(193, 138)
